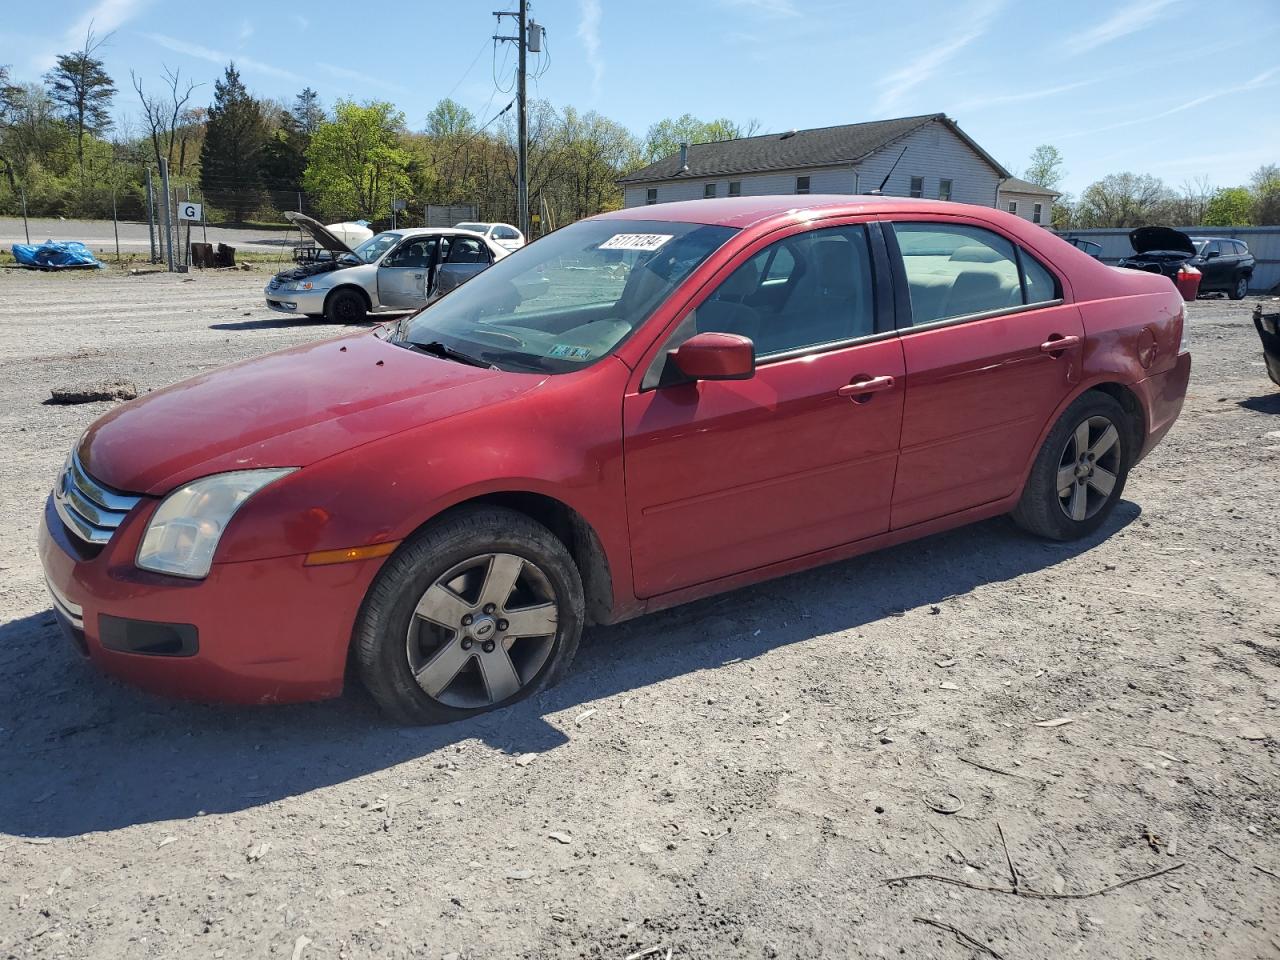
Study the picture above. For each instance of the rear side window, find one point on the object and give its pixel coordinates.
(956, 271)
(467, 250)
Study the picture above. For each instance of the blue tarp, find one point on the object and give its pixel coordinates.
(54, 255)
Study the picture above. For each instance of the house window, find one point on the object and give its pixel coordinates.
(1013, 207)
(944, 189)
(917, 186)
(802, 184)
(651, 195)
(709, 191)
(735, 188)
(1035, 212)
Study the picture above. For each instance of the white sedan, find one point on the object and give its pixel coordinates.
(503, 234)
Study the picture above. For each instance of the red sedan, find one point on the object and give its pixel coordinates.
(643, 408)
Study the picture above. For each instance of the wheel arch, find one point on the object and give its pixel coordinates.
(568, 526)
(364, 295)
(1122, 393)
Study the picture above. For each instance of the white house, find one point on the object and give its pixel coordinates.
(925, 156)
(1030, 201)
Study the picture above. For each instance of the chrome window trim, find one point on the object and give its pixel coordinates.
(985, 315)
(816, 348)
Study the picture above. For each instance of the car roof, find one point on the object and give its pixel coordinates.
(448, 231)
(746, 211)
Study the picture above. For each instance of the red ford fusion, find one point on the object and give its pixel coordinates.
(641, 409)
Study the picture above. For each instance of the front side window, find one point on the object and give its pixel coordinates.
(956, 271)
(808, 290)
(735, 188)
(1035, 212)
(917, 186)
(567, 300)
(802, 184)
(417, 252)
(944, 189)
(651, 195)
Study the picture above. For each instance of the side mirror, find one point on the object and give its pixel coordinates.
(716, 356)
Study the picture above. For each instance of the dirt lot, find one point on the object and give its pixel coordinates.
(738, 778)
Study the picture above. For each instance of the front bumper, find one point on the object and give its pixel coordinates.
(261, 631)
(295, 301)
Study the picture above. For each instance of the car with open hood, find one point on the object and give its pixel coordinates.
(642, 408)
(1225, 265)
(393, 271)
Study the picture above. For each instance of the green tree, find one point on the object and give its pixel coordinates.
(355, 164)
(80, 85)
(449, 118)
(1045, 167)
(665, 136)
(232, 154)
(1229, 207)
(1265, 187)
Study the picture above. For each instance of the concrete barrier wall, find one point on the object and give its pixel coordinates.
(1264, 244)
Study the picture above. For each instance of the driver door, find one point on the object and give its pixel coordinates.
(404, 275)
(727, 476)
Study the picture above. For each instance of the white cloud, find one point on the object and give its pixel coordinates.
(246, 30)
(895, 86)
(355, 76)
(105, 16)
(589, 34)
(301, 21)
(195, 50)
(981, 103)
(767, 8)
(1123, 22)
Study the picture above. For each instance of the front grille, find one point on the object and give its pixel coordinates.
(90, 510)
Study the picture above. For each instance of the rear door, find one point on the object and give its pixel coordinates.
(466, 257)
(991, 351)
(727, 476)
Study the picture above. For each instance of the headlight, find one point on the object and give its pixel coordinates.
(185, 530)
(298, 285)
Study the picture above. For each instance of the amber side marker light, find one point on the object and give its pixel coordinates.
(325, 557)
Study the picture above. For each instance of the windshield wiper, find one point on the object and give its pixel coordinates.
(437, 349)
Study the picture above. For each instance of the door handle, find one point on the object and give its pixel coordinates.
(859, 390)
(1057, 344)
(417, 276)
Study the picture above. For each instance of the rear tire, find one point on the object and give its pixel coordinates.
(1079, 474)
(345, 306)
(479, 611)
(1239, 289)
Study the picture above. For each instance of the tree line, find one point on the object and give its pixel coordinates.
(250, 157)
(1139, 199)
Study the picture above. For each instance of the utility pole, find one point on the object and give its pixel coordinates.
(168, 211)
(528, 39)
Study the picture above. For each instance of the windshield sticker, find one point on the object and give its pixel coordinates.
(646, 242)
(567, 351)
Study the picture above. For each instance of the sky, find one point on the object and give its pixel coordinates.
(1167, 87)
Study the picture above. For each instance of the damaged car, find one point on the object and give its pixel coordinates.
(1225, 266)
(391, 272)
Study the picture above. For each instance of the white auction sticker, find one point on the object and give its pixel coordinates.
(636, 241)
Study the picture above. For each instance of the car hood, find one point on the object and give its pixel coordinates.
(288, 409)
(318, 232)
(1163, 239)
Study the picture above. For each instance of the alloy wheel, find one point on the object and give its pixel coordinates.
(1089, 468)
(1242, 288)
(482, 631)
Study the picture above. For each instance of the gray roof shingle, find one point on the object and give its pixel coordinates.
(1017, 185)
(805, 148)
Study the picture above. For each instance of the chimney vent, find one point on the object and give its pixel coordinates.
(684, 158)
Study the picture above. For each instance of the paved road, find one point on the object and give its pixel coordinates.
(99, 236)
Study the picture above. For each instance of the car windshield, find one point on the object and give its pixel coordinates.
(570, 298)
(375, 247)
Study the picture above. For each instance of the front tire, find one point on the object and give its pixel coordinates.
(1240, 289)
(345, 306)
(479, 611)
(1080, 472)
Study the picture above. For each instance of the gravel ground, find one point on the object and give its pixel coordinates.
(736, 778)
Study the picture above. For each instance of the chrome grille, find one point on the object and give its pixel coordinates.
(91, 511)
